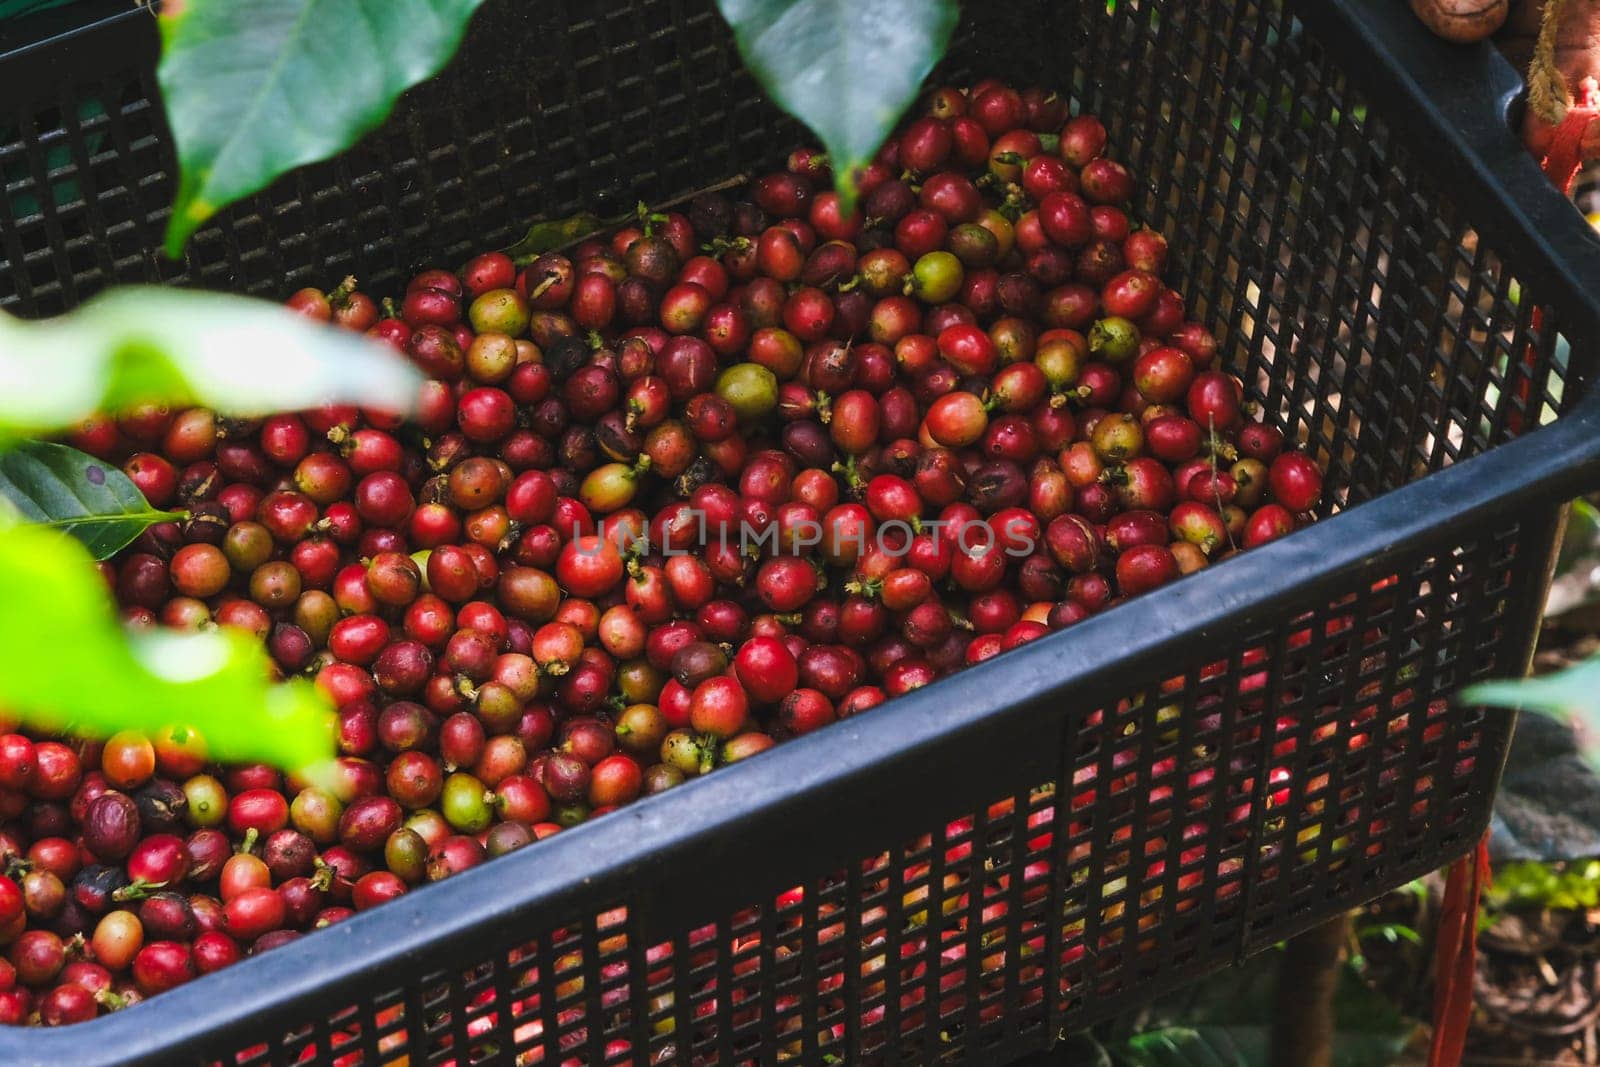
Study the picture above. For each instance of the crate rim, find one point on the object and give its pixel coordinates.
(51, 28)
(1467, 117)
(1466, 100)
(1464, 103)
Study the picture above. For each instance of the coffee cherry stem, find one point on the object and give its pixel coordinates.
(708, 753)
(721, 246)
(138, 889)
(852, 476)
(339, 296)
(512, 535)
(648, 219)
(550, 279)
(866, 587)
(324, 874)
(110, 1001)
(1217, 448)
(1214, 447)
(824, 404)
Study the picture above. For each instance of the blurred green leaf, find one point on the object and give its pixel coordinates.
(846, 68)
(1548, 805)
(1390, 932)
(1534, 886)
(1243, 1046)
(1581, 537)
(1227, 1017)
(1205, 1046)
(70, 666)
(140, 344)
(254, 90)
(59, 487)
(1571, 695)
(549, 234)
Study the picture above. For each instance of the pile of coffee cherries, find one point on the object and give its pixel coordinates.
(669, 497)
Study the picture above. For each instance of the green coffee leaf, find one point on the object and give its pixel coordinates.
(59, 487)
(1572, 696)
(140, 344)
(1227, 1020)
(1536, 886)
(70, 666)
(1231, 1045)
(549, 234)
(1204, 1046)
(1548, 804)
(254, 90)
(846, 68)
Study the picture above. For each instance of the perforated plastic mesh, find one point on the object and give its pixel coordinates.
(1199, 817)
(550, 109)
(1205, 805)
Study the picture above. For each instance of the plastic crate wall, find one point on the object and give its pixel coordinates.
(610, 104)
(1178, 810)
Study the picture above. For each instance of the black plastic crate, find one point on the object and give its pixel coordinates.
(1347, 210)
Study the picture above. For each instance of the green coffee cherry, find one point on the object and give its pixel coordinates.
(751, 390)
(1114, 339)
